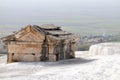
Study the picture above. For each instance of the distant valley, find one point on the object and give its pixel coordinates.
(88, 35)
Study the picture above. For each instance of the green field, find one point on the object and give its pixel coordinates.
(82, 27)
(98, 29)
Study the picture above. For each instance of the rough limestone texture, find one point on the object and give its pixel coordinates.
(105, 49)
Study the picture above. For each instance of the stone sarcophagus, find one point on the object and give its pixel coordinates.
(40, 43)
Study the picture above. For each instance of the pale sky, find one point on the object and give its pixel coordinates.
(16, 12)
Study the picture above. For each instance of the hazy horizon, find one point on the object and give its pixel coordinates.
(75, 15)
(60, 12)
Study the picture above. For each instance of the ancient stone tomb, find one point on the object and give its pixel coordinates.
(40, 43)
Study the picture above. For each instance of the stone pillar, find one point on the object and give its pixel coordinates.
(51, 49)
(52, 56)
(9, 58)
(73, 47)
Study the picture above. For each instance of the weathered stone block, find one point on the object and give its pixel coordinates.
(52, 57)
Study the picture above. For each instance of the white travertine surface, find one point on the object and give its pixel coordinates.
(105, 49)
